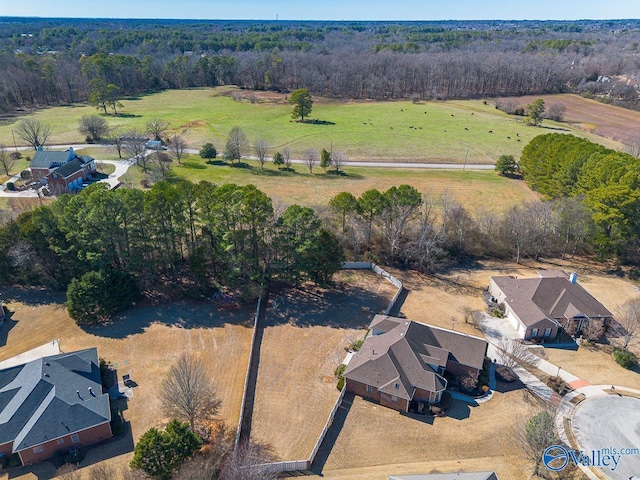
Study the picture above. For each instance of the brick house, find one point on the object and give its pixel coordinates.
(62, 171)
(52, 404)
(404, 361)
(538, 307)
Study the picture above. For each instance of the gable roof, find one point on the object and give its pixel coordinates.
(69, 168)
(553, 297)
(51, 397)
(407, 355)
(46, 158)
(448, 476)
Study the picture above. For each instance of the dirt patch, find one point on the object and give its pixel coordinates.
(616, 123)
(304, 341)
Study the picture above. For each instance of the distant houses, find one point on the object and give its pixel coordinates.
(52, 405)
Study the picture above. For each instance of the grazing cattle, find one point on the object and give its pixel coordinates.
(466, 129)
(490, 131)
(509, 138)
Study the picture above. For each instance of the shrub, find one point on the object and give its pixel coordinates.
(557, 384)
(624, 358)
(339, 372)
(145, 183)
(14, 460)
(15, 155)
(25, 174)
(340, 383)
(11, 186)
(208, 151)
(356, 346)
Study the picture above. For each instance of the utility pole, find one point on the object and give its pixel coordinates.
(465, 160)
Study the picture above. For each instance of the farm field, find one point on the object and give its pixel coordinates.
(387, 131)
(470, 188)
(615, 123)
(142, 342)
(304, 341)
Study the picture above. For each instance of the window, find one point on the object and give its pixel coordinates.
(38, 449)
(547, 332)
(397, 386)
(394, 398)
(60, 441)
(75, 438)
(369, 390)
(534, 332)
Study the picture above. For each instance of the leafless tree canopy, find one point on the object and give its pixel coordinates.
(628, 317)
(236, 145)
(556, 111)
(311, 158)
(134, 144)
(512, 353)
(248, 463)
(7, 161)
(286, 153)
(93, 126)
(156, 127)
(33, 132)
(261, 146)
(188, 393)
(632, 146)
(177, 147)
(338, 159)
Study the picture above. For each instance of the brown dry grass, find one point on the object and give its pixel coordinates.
(615, 123)
(302, 345)
(376, 441)
(143, 343)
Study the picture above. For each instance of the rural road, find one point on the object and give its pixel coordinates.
(436, 166)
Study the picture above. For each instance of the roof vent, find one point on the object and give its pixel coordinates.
(47, 364)
(573, 278)
(46, 375)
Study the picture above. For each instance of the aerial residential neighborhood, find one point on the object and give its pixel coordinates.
(392, 243)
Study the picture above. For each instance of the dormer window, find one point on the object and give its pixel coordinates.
(397, 386)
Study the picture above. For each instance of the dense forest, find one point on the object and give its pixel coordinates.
(59, 61)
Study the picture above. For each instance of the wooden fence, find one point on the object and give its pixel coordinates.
(327, 424)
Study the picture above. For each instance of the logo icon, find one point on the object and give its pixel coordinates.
(555, 458)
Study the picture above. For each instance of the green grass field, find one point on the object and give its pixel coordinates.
(474, 189)
(391, 131)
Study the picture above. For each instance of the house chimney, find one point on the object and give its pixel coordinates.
(573, 278)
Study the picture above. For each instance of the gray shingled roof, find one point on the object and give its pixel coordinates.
(401, 359)
(69, 168)
(50, 397)
(45, 158)
(448, 476)
(536, 299)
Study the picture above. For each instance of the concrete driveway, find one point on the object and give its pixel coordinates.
(606, 422)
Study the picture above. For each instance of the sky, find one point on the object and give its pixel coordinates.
(328, 9)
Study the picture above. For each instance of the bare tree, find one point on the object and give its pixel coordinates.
(115, 140)
(163, 163)
(286, 153)
(628, 318)
(556, 112)
(177, 147)
(7, 161)
(593, 330)
(134, 144)
(156, 127)
(261, 146)
(236, 145)
(33, 132)
(632, 147)
(212, 458)
(93, 126)
(188, 393)
(338, 159)
(68, 472)
(310, 156)
(103, 471)
(248, 463)
(512, 353)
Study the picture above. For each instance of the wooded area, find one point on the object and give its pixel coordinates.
(61, 61)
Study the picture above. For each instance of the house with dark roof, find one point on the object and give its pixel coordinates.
(51, 405)
(404, 361)
(62, 171)
(538, 307)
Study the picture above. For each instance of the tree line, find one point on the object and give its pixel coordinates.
(104, 246)
(52, 62)
(605, 181)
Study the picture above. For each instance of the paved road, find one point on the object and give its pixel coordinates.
(610, 421)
